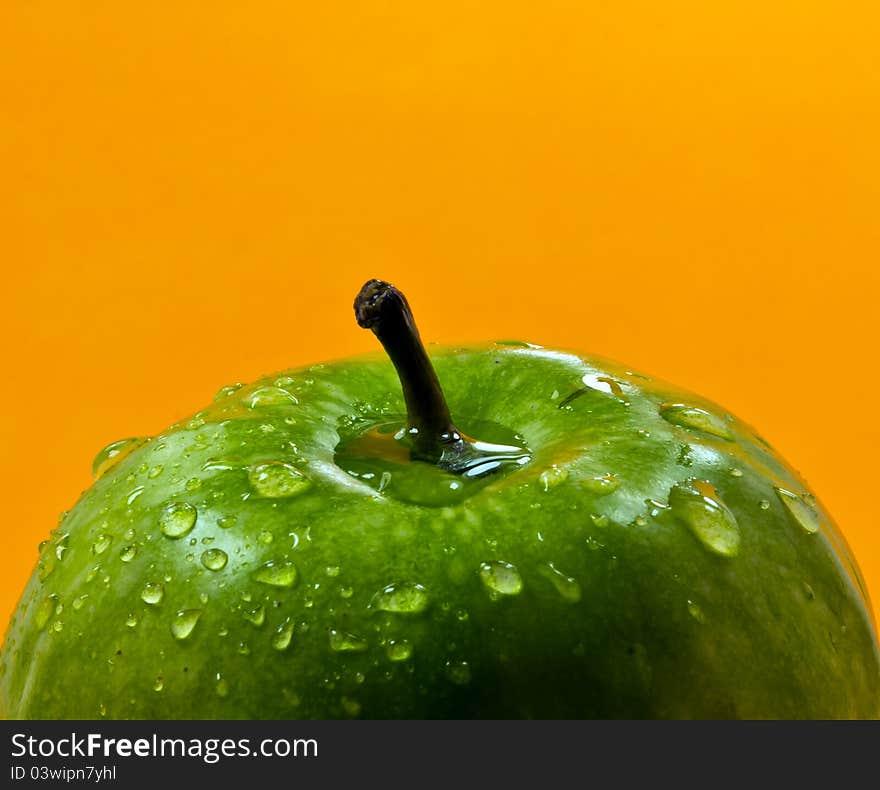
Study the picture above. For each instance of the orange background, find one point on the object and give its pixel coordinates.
(192, 193)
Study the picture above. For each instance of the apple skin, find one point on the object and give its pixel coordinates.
(619, 608)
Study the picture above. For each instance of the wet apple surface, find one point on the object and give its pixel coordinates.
(631, 550)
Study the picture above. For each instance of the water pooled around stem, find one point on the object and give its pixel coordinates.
(379, 455)
(432, 436)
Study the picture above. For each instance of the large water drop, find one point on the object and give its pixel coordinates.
(699, 506)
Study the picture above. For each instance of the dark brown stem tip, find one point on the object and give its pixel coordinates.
(374, 299)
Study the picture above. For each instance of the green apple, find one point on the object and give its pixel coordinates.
(315, 546)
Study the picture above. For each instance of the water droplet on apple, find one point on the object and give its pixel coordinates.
(153, 593)
(219, 465)
(177, 519)
(283, 636)
(102, 543)
(214, 559)
(184, 622)
(515, 344)
(45, 610)
(285, 382)
(552, 477)
(269, 396)
(61, 546)
(227, 522)
(802, 512)
(696, 612)
(114, 453)
(276, 480)
(225, 392)
(601, 485)
(221, 686)
(343, 642)
(158, 683)
(384, 480)
(601, 383)
(255, 616)
(656, 507)
(600, 519)
(134, 494)
(128, 553)
(193, 484)
(458, 672)
(692, 417)
(699, 506)
(132, 620)
(764, 504)
(501, 578)
(401, 598)
(155, 471)
(277, 574)
(399, 650)
(566, 586)
(79, 601)
(685, 455)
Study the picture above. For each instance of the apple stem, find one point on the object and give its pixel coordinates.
(382, 308)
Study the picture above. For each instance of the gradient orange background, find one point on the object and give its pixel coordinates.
(192, 193)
